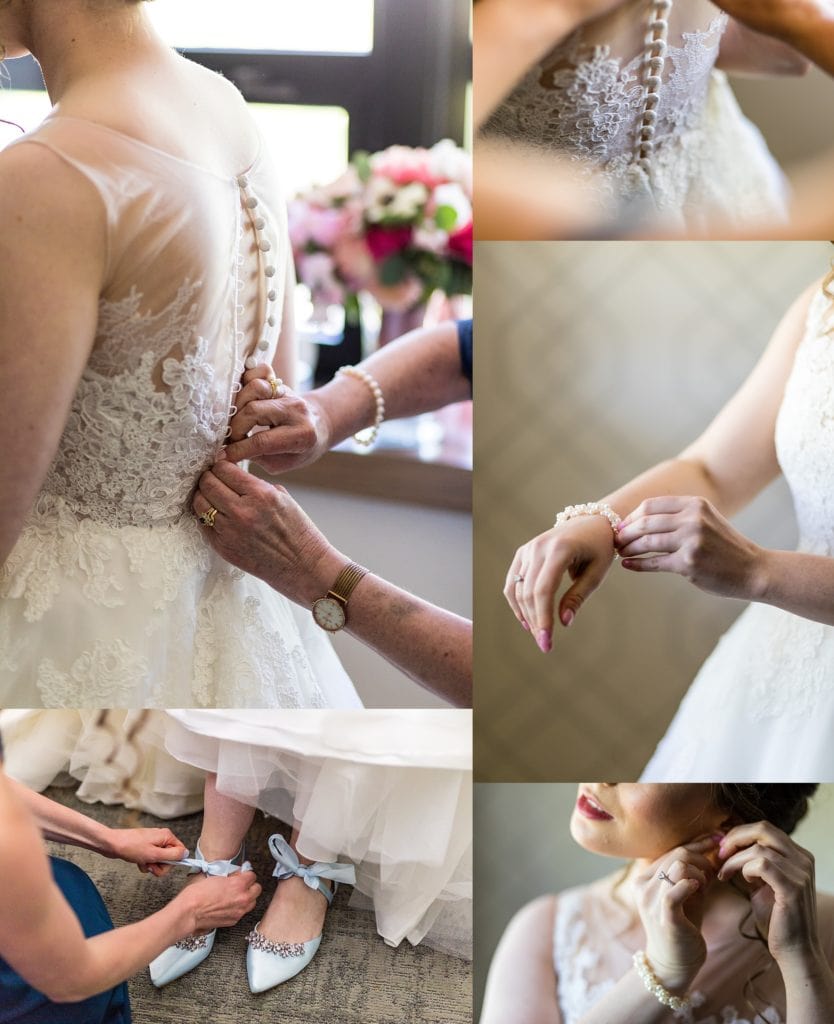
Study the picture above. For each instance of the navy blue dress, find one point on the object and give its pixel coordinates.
(22, 1004)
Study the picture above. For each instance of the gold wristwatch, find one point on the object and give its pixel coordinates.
(330, 611)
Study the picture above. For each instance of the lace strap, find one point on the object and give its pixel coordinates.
(654, 61)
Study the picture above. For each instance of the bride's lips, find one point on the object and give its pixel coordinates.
(589, 807)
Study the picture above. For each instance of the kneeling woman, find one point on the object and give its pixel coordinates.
(716, 919)
(57, 942)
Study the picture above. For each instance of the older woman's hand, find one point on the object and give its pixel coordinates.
(262, 530)
(149, 848)
(690, 537)
(289, 430)
(783, 897)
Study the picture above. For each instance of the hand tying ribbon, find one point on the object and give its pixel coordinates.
(288, 865)
(213, 868)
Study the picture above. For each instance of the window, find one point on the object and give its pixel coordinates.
(311, 26)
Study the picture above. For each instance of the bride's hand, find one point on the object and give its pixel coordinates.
(670, 900)
(783, 892)
(583, 548)
(149, 848)
(690, 537)
(296, 430)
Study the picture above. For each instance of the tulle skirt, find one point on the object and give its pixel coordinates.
(389, 790)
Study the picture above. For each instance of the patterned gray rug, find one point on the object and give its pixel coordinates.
(354, 978)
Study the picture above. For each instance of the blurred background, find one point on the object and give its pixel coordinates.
(526, 828)
(596, 361)
(331, 83)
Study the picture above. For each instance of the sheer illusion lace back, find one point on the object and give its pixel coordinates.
(635, 94)
(155, 397)
(595, 938)
(112, 596)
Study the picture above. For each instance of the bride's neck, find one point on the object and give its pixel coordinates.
(77, 41)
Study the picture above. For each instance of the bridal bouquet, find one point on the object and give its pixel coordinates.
(397, 224)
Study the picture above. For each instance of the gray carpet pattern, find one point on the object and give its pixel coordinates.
(354, 978)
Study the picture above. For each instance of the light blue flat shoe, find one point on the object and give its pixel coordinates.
(191, 951)
(271, 963)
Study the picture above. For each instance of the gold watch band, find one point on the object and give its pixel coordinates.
(346, 581)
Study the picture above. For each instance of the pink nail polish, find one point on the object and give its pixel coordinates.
(544, 641)
(525, 626)
(568, 617)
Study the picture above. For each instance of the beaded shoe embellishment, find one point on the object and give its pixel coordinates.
(282, 949)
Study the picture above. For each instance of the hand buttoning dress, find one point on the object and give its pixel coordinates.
(112, 597)
(635, 100)
(762, 707)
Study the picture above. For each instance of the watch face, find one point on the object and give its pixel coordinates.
(329, 614)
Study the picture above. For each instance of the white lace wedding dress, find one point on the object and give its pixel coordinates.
(112, 596)
(635, 100)
(389, 790)
(762, 707)
(596, 936)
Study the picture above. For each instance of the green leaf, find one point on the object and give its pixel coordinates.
(393, 269)
(446, 217)
(362, 162)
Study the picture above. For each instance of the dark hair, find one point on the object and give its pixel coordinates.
(783, 804)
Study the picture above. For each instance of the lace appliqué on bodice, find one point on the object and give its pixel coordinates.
(584, 970)
(582, 100)
(144, 423)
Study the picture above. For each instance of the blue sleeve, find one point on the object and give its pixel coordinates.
(465, 343)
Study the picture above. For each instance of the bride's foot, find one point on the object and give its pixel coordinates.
(284, 942)
(192, 950)
(296, 913)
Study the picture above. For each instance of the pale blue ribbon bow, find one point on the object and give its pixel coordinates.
(215, 868)
(288, 866)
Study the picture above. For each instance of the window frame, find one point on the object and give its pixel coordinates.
(410, 90)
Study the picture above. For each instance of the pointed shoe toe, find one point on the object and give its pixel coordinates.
(272, 963)
(179, 959)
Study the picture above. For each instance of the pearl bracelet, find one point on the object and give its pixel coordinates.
(653, 985)
(376, 391)
(592, 508)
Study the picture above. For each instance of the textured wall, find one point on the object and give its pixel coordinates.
(594, 362)
(526, 827)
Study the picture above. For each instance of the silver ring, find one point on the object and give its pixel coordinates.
(665, 878)
(518, 579)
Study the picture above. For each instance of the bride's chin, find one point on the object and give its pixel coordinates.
(591, 835)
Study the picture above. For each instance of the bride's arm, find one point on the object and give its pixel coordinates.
(732, 461)
(52, 252)
(41, 938)
(522, 984)
(747, 52)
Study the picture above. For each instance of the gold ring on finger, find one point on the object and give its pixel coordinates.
(207, 518)
(277, 386)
